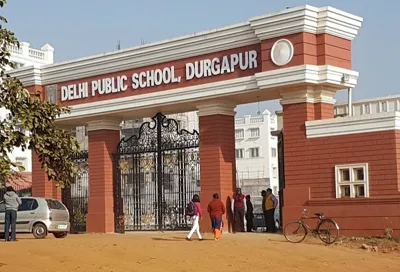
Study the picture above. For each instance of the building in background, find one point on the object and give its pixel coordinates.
(27, 56)
(369, 106)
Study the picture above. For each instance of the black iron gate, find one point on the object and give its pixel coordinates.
(281, 162)
(156, 174)
(76, 197)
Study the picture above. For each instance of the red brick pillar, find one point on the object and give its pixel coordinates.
(217, 156)
(41, 186)
(103, 137)
(299, 106)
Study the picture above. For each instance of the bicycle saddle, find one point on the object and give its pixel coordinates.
(319, 214)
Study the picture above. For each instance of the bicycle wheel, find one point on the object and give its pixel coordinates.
(295, 232)
(328, 231)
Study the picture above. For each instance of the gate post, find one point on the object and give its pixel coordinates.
(104, 136)
(41, 186)
(217, 156)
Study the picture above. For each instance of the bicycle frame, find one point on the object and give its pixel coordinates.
(304, 215)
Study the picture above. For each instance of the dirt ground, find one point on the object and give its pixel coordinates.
(170, 252)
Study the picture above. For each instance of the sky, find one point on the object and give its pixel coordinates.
(80, 28)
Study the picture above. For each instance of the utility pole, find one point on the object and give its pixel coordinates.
(118, 45)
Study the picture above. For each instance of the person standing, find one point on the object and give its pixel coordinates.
(239, 210)
(249, 214)
(270, 205)
(196, 215)
(216, 209)
(12, 202)
(264, 199)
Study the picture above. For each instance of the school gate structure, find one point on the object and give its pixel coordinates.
(346, 167)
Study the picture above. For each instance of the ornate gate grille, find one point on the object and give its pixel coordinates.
(76, 197)
(155, 175)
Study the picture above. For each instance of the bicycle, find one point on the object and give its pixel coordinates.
(325, 235)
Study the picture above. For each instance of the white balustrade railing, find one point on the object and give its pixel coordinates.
(370, 106)
(27, 55)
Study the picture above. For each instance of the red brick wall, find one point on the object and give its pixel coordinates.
(310, 175)
(217, 162)
(41, 186)
(102, 144)
(321, 49)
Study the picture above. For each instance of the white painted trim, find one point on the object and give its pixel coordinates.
(28, 75)
(104, 125)
(217, 107)
(307, 19)
(264, 80)
(314, 74)
(353, 124)
(352, 182)
(309, 94)
(289, 21)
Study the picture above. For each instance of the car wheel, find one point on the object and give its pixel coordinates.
(39, 231)
(60, 234)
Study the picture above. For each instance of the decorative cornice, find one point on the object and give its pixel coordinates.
(309, 94)
(307, 19)
(353, 124)
(216, 107)
(289, 21)
(197, 44)
(104, 125)
(325, 74)
(29, 75)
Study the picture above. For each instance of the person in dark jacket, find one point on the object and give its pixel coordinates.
(12, 202)
(264, 199)
(239, 210)
(216, 209)
(249, 214)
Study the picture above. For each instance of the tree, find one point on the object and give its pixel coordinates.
(27, 111)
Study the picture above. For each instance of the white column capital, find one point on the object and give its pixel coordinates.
(217, 107)
(309, 94)
(105, 124)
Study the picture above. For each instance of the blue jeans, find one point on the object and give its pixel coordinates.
(10, 220)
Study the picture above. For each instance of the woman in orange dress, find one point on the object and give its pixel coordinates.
(216, 209)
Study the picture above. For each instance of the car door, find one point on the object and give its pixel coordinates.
(26, 214)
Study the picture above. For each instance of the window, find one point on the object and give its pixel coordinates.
(22, 161)
(254, 132)
(239, 153)
(352, 181)
(275, 172)
(54, 205)
(254, 152)
(275, 190)
(20, 129)
(273, 152)
(28, 204)
(239, 133)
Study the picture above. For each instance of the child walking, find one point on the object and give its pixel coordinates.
(216, 209)
(196, 215)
